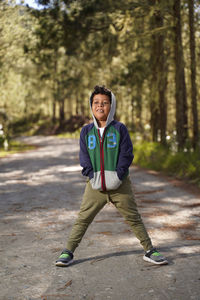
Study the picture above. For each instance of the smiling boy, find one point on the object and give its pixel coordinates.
(101, 108)
(105, 155)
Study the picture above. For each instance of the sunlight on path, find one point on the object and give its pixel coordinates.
(40, 196)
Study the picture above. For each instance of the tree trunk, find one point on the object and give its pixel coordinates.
(158, 80)
(162, 79)
(77, 105)
(180, 94)
(154, 107)
(82, 105)
(55, 87)
(61, 112)
(54, 111)
(193, 75)
(132, 113)
(139, 108)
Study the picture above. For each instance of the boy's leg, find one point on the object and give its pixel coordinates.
(93, 202)
(124, 200)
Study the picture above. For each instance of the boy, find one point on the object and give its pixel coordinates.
(105, 155)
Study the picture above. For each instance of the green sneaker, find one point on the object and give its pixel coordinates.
(65, 259)
(153, 256)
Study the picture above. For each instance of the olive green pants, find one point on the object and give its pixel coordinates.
(94, 201)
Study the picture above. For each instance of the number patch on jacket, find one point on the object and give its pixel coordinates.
(91, 142)
(112, 140)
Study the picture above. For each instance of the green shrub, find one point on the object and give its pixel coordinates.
(24, 125)
(150, 155)
(70, 135)
(185, 165)
(14, 147)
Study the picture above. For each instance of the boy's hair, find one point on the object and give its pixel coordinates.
(100, 90)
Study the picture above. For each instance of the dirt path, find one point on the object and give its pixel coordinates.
(40, 195)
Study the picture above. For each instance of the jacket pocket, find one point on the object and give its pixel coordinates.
(112, 180)
(96, 181)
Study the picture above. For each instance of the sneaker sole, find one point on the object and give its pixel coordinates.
(62, 264)
(164, 262)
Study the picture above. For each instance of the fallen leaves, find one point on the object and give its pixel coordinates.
(54, 296)
(191, 205)
(65, 286)
(184, 226)
(96, 260)
(148, 192)
(156, 213)
(105, 232)
(105, 221)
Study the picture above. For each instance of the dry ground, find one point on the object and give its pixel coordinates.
(40, 195)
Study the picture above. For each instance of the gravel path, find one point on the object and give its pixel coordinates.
(40, 195)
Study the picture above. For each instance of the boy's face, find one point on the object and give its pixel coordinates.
(101, 107)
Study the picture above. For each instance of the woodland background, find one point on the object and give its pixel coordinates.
(147, 52)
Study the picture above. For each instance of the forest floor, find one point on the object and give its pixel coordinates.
(40, 196)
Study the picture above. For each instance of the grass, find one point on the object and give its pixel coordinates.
(182, 165)
(70, 135)
(15, 147)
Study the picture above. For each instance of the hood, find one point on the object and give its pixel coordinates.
(110, 117)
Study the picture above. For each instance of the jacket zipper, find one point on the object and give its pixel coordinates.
(103, 183)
